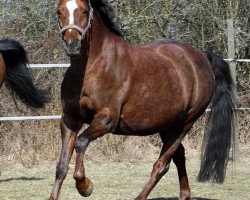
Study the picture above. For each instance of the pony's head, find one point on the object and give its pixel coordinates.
(74, 21)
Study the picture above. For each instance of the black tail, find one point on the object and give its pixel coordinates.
(221, 124)
(18, 76)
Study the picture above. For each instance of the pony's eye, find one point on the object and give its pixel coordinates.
(59, 13)
(85, 12)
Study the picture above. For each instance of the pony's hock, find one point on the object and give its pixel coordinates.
(161, 87)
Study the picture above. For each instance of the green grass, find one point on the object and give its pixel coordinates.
(122, 181)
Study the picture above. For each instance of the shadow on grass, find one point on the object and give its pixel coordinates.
(176, 198)
(23, 178)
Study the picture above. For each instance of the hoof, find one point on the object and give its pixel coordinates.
(85, 188)
(185, 195)
(140, 198)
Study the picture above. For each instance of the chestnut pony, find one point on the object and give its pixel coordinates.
(161, 87)
(15, 73)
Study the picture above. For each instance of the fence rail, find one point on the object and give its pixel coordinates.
(25, 118)
(49, 65)
(54, 117)
(237, 60)
(67, 65)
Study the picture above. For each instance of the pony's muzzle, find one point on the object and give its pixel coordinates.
(72, 47)
(72, 42)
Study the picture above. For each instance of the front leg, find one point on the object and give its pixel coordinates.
(68, 143)
(101, 124)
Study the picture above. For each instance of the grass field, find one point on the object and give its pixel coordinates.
(123, 181)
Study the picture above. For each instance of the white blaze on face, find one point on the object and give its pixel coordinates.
(71, 6)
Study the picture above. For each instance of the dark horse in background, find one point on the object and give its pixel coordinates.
(15, 73)
(161, 87)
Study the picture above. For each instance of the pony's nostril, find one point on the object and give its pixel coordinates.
(72, 43)
(72, 47)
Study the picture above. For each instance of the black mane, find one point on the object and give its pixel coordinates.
(107, 13)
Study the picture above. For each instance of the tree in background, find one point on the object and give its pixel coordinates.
(199, 23)
(202, 24)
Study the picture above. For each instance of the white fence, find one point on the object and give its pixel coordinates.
(53, 117)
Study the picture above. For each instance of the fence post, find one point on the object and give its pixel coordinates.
(231, 55)
(231, 49)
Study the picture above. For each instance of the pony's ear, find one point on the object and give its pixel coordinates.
(101, 4)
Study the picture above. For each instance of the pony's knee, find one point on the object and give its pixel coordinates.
(81, 143)
(61, 171)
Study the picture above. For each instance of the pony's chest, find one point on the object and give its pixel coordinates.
(101, 89)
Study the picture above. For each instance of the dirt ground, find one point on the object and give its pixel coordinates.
(123, 181)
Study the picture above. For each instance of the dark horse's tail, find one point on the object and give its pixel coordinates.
(18, 76)
(221, 126)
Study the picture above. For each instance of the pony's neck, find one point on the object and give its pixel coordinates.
(98, 37)
(92, 45)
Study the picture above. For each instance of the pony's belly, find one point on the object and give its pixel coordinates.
(128, 129)
(141, 124)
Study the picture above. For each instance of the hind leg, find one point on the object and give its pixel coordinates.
(171, 145)
(180, 162)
